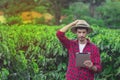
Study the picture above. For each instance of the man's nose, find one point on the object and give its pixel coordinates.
(81, 34)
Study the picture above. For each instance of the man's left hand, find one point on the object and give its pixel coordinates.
(88, 63)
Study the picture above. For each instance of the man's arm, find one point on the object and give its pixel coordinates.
(96, 65)
(61, 34)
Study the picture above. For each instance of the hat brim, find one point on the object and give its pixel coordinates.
(73, 29)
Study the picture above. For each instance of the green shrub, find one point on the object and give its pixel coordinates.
(75, 11)
(110, 13)
(14, 20)
(94, 21)
(39, 20)
(4, 74)
(33, 52)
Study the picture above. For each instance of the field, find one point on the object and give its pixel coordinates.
(32, 52)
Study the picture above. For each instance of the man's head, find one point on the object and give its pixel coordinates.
(81, 29)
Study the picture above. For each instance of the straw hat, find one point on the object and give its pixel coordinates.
(81, 23)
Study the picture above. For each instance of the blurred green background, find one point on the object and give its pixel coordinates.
(29, 49)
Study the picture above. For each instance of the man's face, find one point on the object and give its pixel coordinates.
(81, 34)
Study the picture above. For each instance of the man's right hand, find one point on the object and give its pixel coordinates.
(65, 28)
(74, 23)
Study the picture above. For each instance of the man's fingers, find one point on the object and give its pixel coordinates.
(75, 22)
(88, 63)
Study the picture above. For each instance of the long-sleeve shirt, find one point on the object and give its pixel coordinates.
(79, 73)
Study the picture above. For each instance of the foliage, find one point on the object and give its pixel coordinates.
(41, 9)
(95, 21)
(33, 52)
(110, 13)
(39, 20)
(101, 12)
(75, 11)
(94, 2)
(109, 47)
(14, 20)
(78, 9)
(3, 74)
(15, 7)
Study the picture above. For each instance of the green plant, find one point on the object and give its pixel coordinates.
(14, 20)
(33, 52)
(109, 13)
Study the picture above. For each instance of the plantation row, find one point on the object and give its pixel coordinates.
(32, 52)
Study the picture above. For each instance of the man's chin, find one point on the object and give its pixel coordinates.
(81, 40)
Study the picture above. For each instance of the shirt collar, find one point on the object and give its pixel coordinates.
(88, 40)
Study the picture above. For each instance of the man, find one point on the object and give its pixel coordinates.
(83, 45)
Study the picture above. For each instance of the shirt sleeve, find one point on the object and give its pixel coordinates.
(63, 39)
(97, 59)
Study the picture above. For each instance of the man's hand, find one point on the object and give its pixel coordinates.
(65, 28)
(74, 23)
(90, 65)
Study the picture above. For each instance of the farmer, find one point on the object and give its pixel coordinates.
(83, 45)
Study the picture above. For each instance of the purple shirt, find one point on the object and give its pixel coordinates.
(77, 73)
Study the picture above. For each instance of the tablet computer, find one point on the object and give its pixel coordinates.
(80, 58)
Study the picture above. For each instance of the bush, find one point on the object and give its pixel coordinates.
(110, 13)
(76, 11)
(94, 21)
(39, 20)
(34, 52)
(14, 20)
